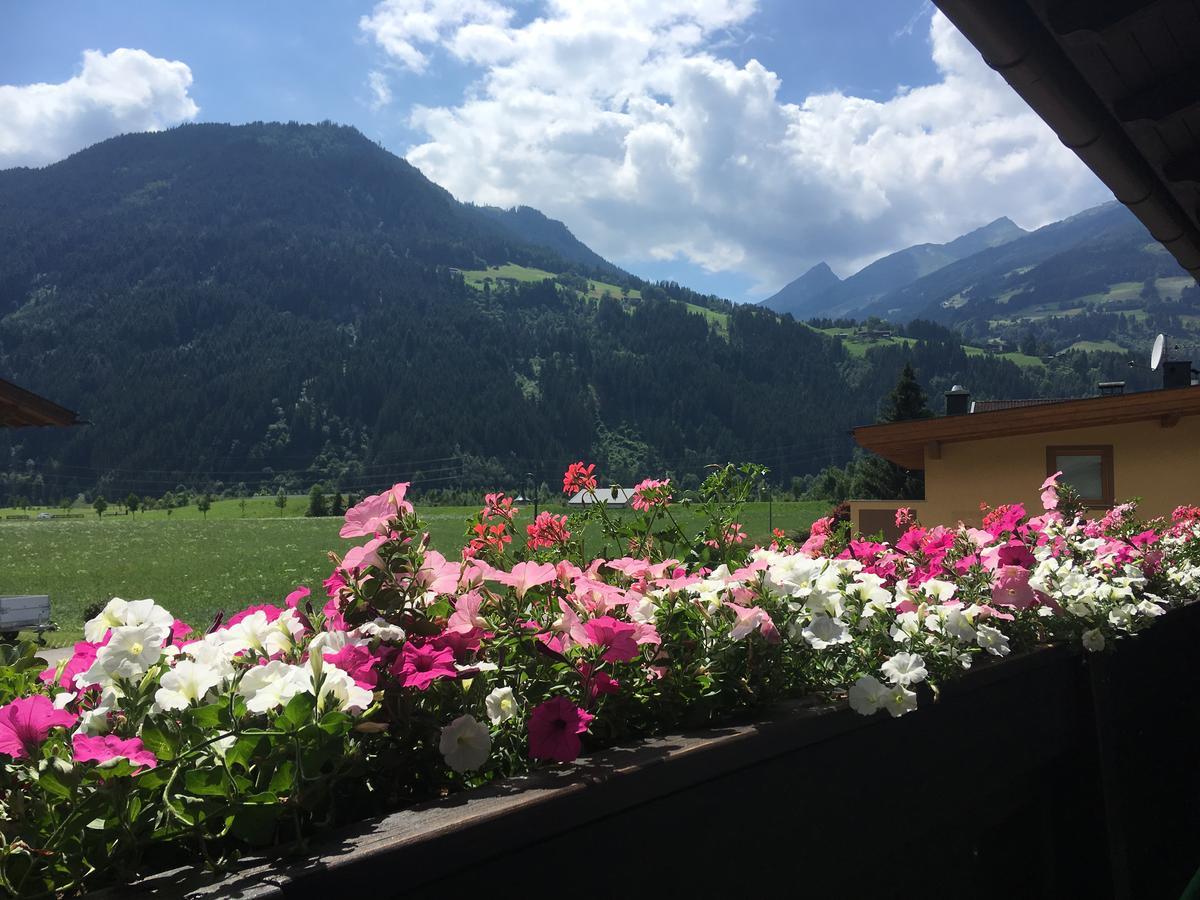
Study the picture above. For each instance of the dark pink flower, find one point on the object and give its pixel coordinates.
(1014, 553)
(554, 729)
(461, 643)
(419, 666)
(102, 748)
(616, 637)
(358, 662)
(26, 722)
(272, 612)
(80, 661)
(295, 597)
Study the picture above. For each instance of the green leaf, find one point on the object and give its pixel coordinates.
(335, 722)
(163, 745)
(284, 778)
(298, 712)
(207, 781)
(244, 749)
(207, 716)
(52, 782)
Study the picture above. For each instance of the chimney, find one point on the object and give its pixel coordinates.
(958, 401)
(1111, 388)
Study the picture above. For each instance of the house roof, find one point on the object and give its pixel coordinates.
(979, 406)
(904, 443)
(1119, 82)
(20, 408)
(614, 496)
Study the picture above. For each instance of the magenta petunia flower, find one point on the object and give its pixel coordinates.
(616, 637)
(26, 722)
(420, 666)
(271, 611)
(80, 661)
(358, 662)
(102, 748)
(554, 729)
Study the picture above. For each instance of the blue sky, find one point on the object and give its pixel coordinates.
(726, 144)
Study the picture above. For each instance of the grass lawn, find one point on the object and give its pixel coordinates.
(196, 566)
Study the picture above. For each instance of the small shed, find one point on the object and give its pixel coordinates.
(615, 496)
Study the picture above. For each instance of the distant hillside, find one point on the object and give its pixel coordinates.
(1096, 276)
(797, 296)
(885, 275)
(533, 227)
(267, 306)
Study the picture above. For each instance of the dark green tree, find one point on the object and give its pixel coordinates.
(100, 505)
(338, 507)
(281, 501)
(204, 504)
(877, 478)
(133, 502)
(316, 502)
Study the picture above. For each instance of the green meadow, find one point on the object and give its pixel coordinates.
(196, 566)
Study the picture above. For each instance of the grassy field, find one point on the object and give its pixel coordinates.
(596, 289)
(196, 566)
(857, 345)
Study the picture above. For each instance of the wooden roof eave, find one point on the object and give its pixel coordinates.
(904, 443)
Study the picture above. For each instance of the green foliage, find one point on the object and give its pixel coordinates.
(317, 507)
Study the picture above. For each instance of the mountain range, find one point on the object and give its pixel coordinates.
(1094, 278)
(269, 305)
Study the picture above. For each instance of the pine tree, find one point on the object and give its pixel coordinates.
(877, 478)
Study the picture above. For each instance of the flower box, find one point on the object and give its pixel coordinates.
(1043, 774)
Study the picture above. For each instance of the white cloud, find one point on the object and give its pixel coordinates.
(399, 26)
(381, 92)
(619, 117)
(126, 90)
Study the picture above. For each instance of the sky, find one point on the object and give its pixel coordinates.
(726, 144)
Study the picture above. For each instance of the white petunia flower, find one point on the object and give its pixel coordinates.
(1093, 640)
(465, 744)
(213, 652)
(336, 686)
(272, 685)
(958, 625)
(383, 629)
(112, 616)
(899, 700)
(501, 705)
(905, 669)
(993, 640)
(644, 611)
(824, 631)
(129, 653)
(867, 695)
(188, 682)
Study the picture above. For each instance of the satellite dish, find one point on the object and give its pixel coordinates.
(1156, 352)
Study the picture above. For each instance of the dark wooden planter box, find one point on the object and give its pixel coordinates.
(1045, 775)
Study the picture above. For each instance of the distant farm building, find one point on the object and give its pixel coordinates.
(615, 496)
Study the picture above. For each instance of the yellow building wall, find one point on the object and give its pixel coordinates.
(1159, 465)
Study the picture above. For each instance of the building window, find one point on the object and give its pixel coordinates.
(1088, 469)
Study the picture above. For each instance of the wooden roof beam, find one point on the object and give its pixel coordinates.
(1173, 94)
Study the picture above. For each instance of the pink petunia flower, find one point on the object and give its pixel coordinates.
(372, 515)
(102, 748)
(26, 722)
(1011, 588)
(272, 612)
(1050, 492)
(80, 661)
(294, 599)
(419, 666)
(554, 728)
(616, 637)
(358, 662)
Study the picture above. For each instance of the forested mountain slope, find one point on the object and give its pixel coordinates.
(270, 305)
